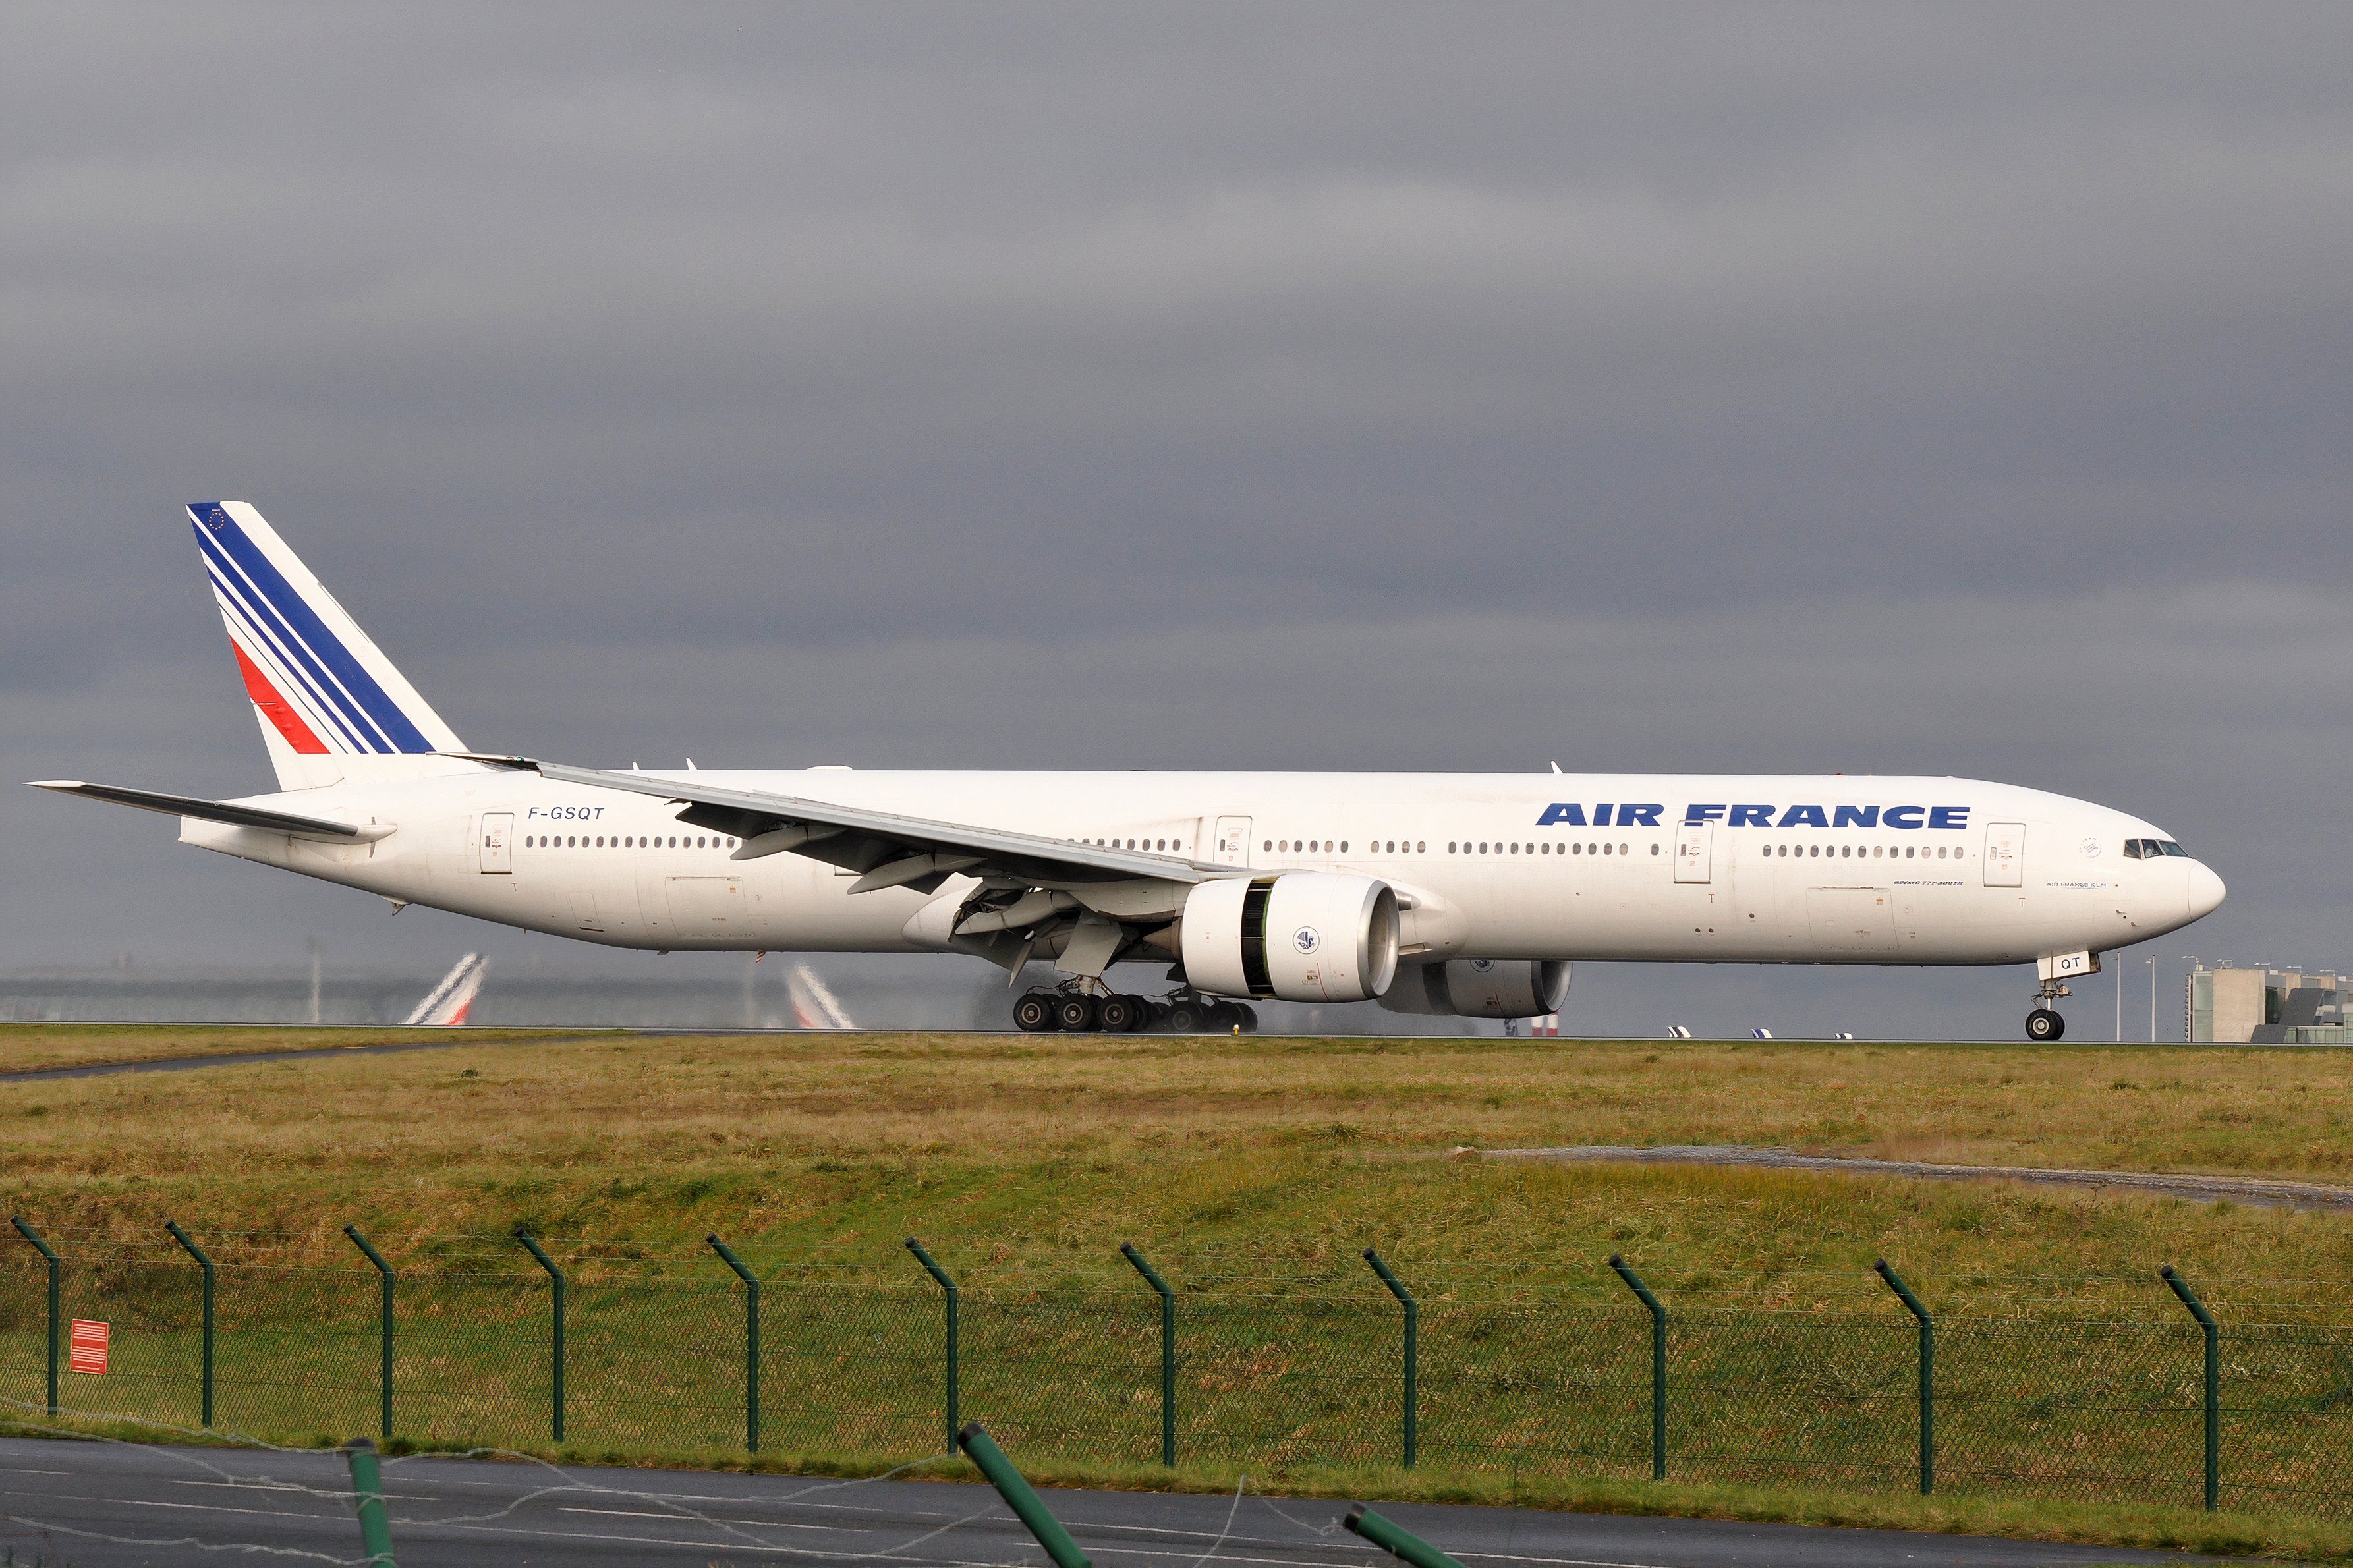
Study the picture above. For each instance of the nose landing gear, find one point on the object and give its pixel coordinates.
(2044, 1022)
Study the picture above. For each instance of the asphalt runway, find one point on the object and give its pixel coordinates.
(100, 1505)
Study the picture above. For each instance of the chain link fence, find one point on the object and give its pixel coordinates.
(618, 1363)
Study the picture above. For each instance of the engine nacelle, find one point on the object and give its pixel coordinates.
(1302, 936)
(1479, 988)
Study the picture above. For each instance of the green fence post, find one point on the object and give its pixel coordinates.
(367, 1497)
(29, 1234)
(385, 1278)
(1927, 1373)
(1402, 1544)
(1412, 1353)
(751, 1342)
(1167, 1351)
(948, 1286)
(2213, 1381)
(1658, 1365)
(188, 1245)
(555, 1347)
(1019, 1495)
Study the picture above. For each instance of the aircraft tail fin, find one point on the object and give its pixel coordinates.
(331, 705)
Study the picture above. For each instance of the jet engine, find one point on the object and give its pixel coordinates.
(1479, 988)
(1301, 936)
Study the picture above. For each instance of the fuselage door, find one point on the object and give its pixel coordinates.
(2005, 855)
(1692, 847)
(1233, 841)
(498, 842)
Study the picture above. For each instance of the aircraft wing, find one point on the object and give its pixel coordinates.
(218, 811)
(890, 850)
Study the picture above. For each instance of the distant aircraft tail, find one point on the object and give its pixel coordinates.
(330, 703)
(448, 1004)
(814, 1002)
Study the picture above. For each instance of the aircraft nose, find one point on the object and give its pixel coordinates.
(2206, 890)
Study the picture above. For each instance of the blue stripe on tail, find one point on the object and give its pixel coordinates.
(366, 702)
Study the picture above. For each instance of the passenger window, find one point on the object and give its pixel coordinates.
(1655, 848)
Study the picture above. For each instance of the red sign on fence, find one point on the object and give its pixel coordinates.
(88, 1350)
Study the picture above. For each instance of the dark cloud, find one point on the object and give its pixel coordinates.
(1957, 389)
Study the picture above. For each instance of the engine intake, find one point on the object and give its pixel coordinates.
(1479, 988)
(1302, 936)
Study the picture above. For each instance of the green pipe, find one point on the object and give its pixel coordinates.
(29, 1234)
(751, 1342)
(555, 1348)
(948, 1286)
(1021, 1497)
(188, 1244)
(2213, 1381)
(1658, 1365)
(1412, 1353)
(1167, 1351)
(1927, 1373)
(385, 1280)
(1399, 1544)
(367, 1496)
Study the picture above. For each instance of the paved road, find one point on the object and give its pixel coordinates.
(2260, 1190)
(96, 1505)
(248, 1059)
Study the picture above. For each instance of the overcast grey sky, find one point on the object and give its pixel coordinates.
(1878, 388)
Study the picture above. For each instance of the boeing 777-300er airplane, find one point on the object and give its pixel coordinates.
(1460, 894)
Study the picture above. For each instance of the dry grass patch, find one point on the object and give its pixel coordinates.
(1264, 1159)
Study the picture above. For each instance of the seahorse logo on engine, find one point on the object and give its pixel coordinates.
(1305, 939)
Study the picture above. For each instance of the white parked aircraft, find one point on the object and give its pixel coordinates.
(1436, 894)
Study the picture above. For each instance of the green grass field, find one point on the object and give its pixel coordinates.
(1253, 1172)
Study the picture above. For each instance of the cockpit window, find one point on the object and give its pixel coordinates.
(2170, 847)
(2153, 849)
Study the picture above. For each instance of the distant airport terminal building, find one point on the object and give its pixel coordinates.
(2267, 1007)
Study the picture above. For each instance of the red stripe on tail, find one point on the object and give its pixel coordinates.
(273, 707)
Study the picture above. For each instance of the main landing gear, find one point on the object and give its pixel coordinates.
(2044, 1022)
(1078, 1011)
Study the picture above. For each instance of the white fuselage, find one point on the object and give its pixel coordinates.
(1689, 868)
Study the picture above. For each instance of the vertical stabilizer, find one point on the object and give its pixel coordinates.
(331, 705)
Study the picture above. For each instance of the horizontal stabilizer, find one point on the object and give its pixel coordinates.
(221, 811)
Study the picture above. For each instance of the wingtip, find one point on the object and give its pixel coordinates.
(56, 783)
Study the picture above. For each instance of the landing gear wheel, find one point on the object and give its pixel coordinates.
(1225, 1016)
(1122, 1014)
(1249, 1019)
(2042, 1024)
(1184, 1017)
(1034, 1013)
(1076, 1015)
